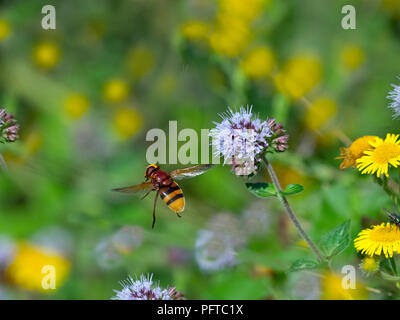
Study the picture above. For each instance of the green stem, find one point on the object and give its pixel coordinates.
(384, 184)
(289, 210)
(393, 265)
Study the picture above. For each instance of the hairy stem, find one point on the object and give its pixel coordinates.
(289, 210)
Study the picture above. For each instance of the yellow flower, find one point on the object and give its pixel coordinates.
(240, 9)
(369, 265)
(258, 63)
(195, 30)
(4, 29)
(127, 122)
(33, 142)
(379, 239)
(115, 90)
(46, 55)
(320, 111)
(352, 56)
(386, 152)
(355, 151)
(76, 105)
(26, 268)
(230, 37)
(298, 76)
(140, 61)
(332, 289)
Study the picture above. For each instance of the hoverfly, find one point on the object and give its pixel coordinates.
(163, 183)
(395, 218)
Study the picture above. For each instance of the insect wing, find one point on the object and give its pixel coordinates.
(136, 189)
(191, 172)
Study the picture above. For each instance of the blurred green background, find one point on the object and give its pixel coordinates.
(86, 94)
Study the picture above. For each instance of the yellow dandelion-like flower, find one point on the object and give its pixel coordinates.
(5, 29)
(195, 30)
(140, 61)
(298, 76)
(320, 111)
(369, 265)
(333, 289)
(76, 105)
(383, 238)
(115, 90)
(352, 56)
(127, 122)
(26, 270)
(245, 10)
(355, 151)
(46, 55)
(384, 153)
(230, 37)
(258, 63)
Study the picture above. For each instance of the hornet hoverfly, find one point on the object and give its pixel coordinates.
(163, 183)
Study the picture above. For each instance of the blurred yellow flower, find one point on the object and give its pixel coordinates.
(33, 142)
(288, 175)
(352, 56)
(46, 55)
(115, 90)
(321, 110)
(127, 122)
(195, 30)
(240, 9)
(5, 29)
(383, 238)
(140, 61)
(76, 105)
(230, 37)
(258, 63)
(385, 153)
(26, 268)
(355, 151)
(369, 265)
(298, 76)
(332, 289)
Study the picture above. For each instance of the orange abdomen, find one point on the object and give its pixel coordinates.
(173, 197)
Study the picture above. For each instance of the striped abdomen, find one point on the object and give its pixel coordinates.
(173, 197)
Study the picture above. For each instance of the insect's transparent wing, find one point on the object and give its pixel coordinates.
(190, 172)
(138, 189)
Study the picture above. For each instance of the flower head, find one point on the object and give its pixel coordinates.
(355, 151)
(394, 95)
(214, 251)
(242, 138)
(383, 238)
(8, 127)
(25, 270)
(258, 63)
(46, 55)
(384, 153)
(369, 265)
(144, 289)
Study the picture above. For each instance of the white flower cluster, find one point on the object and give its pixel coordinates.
(142, 289)
(240, 140)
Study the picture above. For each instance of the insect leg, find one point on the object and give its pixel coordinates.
(178, 215)
(154, 209)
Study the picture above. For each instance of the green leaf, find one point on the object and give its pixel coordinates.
(304, 264)
(336, 240)
(262, 190)
(389, 277)
(292, 189)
